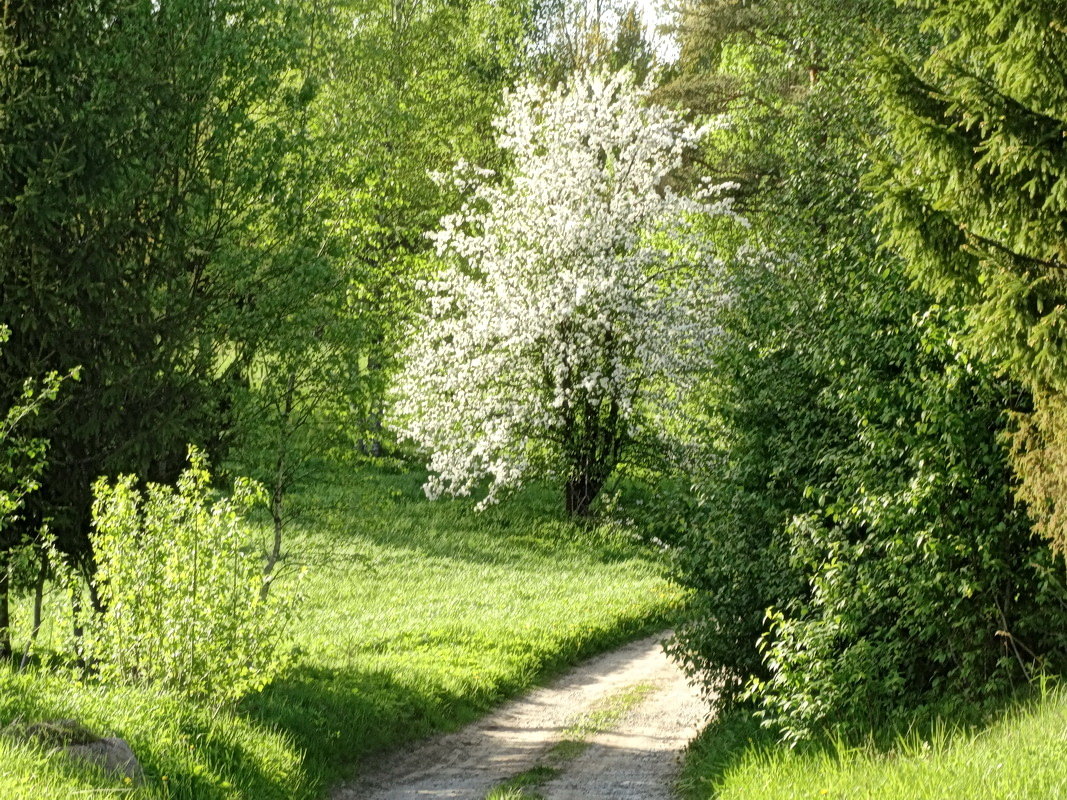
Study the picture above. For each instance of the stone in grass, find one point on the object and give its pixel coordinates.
(111, 754)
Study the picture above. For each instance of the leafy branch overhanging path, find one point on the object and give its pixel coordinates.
(613, 727)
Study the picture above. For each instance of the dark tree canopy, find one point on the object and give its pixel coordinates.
(135, 168)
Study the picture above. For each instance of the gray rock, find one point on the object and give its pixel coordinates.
(111, 754)
(69, 736)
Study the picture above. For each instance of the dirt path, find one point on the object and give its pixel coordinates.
(609, 729)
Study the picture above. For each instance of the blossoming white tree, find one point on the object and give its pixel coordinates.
(573, 313)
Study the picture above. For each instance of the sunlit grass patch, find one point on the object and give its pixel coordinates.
(525, 785)
(1021, 756)
(187, 752)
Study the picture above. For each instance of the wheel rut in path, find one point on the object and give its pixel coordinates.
(612, 728)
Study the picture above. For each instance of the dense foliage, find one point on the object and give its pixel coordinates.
(974, 194)
(860, 551)
(139, 149)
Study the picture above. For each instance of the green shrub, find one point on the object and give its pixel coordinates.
(860, 553)
(180, 578)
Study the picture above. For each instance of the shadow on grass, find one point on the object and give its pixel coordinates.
(724, 744)
(391, 512)
(339, 717)
(221, 752)
(186, 751)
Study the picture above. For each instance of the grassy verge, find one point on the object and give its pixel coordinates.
(419, 616)
(1021, 756)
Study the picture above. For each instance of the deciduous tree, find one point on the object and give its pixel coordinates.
(578, 302)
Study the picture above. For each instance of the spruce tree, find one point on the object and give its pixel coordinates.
(974, 194)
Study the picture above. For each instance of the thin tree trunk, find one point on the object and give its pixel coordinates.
(277, 512)
(371, 444)
(374, 429)
(76, 617)
(581, 490)
(38, 604)
(5, 608)
(277, 499)
(94, 593)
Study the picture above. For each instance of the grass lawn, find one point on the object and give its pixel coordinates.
(1020, 756)
(418, 617)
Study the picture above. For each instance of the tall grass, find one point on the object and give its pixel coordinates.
(1020, 756)
(418, 617)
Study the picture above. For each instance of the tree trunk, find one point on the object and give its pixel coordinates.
(282, 477)
(371, 440)
(581, 490)
(5, 609)
(277, 512)
(38, 603)
(594, 442)
(94, 592)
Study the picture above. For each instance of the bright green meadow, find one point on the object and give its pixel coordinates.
(417, 617)
(1022, 755)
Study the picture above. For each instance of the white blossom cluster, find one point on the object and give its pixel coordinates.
(577, 285)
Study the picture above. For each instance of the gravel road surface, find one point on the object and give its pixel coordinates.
(626, 715)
